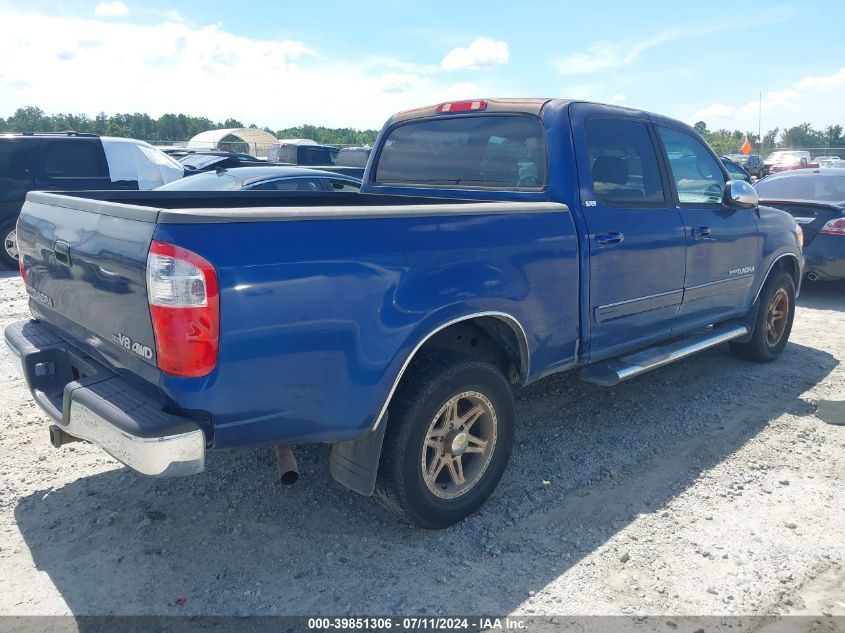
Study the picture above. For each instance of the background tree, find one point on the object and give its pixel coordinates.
(170, 128)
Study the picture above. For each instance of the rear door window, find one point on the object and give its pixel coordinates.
(15, 167)
(506, 152)
(623, 162)
(821, 187)
(73, 158)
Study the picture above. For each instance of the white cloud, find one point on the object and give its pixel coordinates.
(90, 65)
(482, 53)
(111, 9)
(604, 55)
(618, 98)
(813, 98)
(715, 112)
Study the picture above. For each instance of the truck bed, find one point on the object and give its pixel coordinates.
(314, 289)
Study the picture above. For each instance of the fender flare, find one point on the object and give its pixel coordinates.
(354, 464)
(750, 317)
(771, 268)
(509, 319)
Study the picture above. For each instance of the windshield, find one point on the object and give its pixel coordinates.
(501, 152)
(782, 157)
(820, 187)
(352, 158)
(207, 181)
(316, 155)
(201, 161)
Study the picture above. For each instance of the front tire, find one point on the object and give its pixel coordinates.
(9, 250)
(773, 321)
(448, 440)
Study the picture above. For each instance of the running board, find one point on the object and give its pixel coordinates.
(613, 372)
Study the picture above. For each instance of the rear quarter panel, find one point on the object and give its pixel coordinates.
(318, 316)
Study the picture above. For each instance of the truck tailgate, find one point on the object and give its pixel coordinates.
(85, 273)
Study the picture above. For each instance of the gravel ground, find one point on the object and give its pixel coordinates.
(708, 487)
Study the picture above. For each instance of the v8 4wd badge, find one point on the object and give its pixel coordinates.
(124, 341)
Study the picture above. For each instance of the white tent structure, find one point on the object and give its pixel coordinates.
(247, 139)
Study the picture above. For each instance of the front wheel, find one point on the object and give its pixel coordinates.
(448, 440)
(773, 321)
(9, 252)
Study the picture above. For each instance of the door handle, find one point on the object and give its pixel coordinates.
(700, 231)
(607, 239)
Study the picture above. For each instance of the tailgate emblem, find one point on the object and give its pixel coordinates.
(39, 296)
(125, 342)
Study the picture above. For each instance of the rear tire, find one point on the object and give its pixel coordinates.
(9, 250)
(448, 440)
(773, 321)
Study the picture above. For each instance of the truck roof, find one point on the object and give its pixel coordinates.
(524, 105)
(530, 106)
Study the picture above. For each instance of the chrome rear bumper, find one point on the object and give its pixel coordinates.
(89, 402)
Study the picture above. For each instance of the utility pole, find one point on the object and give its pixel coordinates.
(760, 120)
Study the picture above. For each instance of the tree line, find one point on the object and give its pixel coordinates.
(167, 128)
(804, 135)
(170, 128)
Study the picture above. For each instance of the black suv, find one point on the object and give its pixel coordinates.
(71, 161)
(752, 163)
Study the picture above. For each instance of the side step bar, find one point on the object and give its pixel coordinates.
(613, 372)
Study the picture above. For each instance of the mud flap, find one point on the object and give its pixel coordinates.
(354, 464)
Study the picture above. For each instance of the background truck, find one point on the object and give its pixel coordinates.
(494, 242)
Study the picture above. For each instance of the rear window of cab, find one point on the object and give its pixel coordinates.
(505, 152)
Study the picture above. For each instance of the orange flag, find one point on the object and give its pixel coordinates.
(746, 147)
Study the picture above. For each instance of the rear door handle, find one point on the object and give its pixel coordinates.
(606, 239)
(700, 231)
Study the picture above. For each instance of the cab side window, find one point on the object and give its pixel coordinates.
(343, 185)
(289, 184)
(698, 176)
(623, 162)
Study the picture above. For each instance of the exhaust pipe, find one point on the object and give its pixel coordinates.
(813, 276)
(286, 466)
(59, 438)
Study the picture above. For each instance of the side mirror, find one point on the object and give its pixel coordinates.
(740, 195)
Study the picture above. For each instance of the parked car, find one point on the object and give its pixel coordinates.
(828, 161)
(302, 152)
(176, 151)
(735, 170)
(816, 199)
(495, 242)
(751, 163)
(266, 178)
(72, 161)
(782, 160)
(197, 161)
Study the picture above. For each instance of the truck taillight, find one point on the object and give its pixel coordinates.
(185, 308)
(834, 227)
(462, 106)
(20, 268)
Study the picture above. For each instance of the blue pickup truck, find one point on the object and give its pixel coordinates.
(494, 242)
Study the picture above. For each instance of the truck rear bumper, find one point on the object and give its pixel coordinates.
(88, 401)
